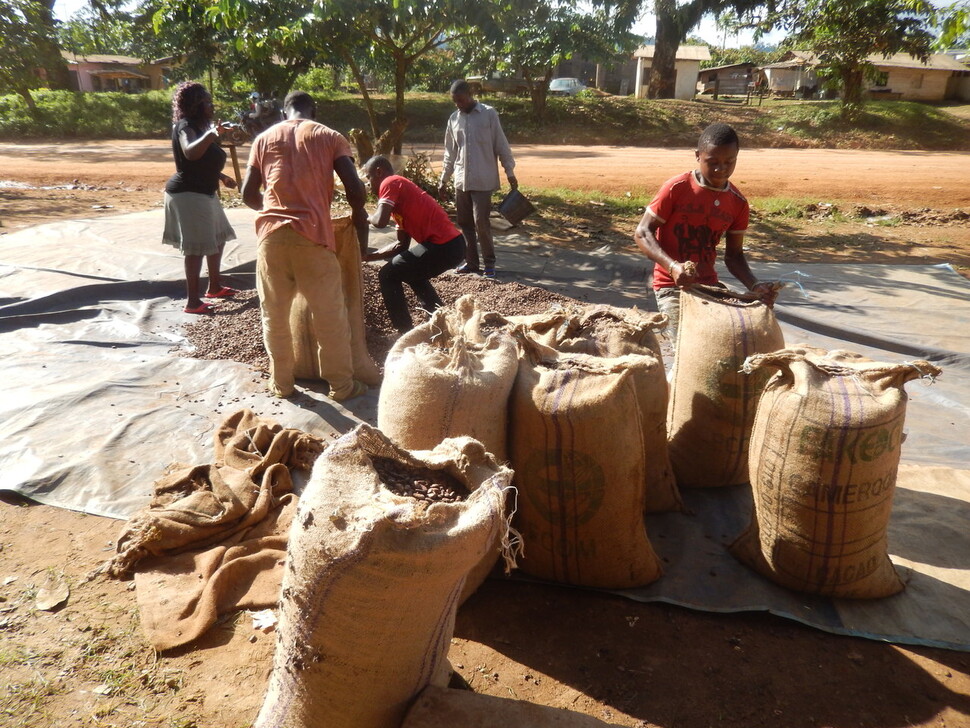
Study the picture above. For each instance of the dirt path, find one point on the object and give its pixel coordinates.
(926, 179)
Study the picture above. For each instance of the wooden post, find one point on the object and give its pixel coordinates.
(235, 166)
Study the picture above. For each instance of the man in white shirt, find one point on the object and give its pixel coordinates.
(474, 142)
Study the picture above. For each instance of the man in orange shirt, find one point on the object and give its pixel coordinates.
(294, 162)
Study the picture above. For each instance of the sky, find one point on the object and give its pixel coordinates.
(64, 9)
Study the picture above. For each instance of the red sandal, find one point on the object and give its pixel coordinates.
(224, 292)
(203, 308)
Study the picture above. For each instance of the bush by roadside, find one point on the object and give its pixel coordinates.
(610, 120)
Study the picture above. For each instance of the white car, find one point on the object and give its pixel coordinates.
(565, 86)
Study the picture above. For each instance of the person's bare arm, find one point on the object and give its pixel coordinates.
(737, 264)
(646, 239)
(381, 216)
(251, 193)
(195, 145)
(356, 197)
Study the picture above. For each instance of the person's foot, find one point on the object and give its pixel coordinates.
(201, 308)
(489, 273)
(465, 269)
(357, 388)
(277, 392)
(224, 292)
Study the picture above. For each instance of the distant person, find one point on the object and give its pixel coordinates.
(439, 244)
(294, 162)
(474, 141)
(688, 217)
(195, 222)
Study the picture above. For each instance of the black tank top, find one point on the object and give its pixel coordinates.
(200, 175)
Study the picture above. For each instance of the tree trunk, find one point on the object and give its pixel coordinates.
(852, 77)
(362, 85)
(400, 115)
(28, 99)
(663, 66)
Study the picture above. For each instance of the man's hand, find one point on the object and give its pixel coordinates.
(513, 183)
(442, 191)
(684, 275)
(228, 181)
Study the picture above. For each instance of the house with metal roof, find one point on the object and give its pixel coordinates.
(900, 76)
(98, 72)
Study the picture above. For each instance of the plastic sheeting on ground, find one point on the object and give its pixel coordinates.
(96, 405)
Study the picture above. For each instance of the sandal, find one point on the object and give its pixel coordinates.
(202, 308)
(224, 292)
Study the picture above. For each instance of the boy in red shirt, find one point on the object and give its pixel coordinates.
(685, 222)
(440, 245)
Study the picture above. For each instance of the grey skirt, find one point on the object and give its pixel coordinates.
(195, 223)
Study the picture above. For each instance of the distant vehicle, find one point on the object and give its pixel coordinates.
(565, 86)
(496, 84)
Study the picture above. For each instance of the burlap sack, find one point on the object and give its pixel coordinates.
(444, 379)
(712, 404)
(824, 455)
(306, 363)
(372, 582)
(610, 332)
(576, 439)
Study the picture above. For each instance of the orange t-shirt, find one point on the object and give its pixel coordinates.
(295, 159)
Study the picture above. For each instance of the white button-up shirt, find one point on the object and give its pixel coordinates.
(473, 143)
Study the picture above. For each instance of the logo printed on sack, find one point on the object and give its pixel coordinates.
(565, 486)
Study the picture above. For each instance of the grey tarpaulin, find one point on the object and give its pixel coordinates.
(95, 404)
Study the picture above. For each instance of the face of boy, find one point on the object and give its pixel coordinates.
(716, 164)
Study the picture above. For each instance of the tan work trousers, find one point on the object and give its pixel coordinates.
(286, 262)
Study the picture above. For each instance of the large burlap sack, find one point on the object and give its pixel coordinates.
(372, 582)
(824, 455)
(443, 708)
(712, 403)
(445, 379)
(306, 362)
(598, 330)
(609, 332)
(576, 442)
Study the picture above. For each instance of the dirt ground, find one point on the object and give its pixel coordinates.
(84, 663)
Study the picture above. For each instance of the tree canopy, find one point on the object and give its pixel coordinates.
(28, 45)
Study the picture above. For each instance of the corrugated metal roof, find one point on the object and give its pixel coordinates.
(684, 53)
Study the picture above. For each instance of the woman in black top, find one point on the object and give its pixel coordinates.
(195, 222)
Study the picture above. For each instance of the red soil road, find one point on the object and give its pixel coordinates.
(907, 178)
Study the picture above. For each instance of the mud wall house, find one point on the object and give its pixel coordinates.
(900, 76)
(958, 87)
(116, 73)
(615, 76)
(730, 79)
(686, 68)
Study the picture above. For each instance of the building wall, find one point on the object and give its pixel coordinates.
(958, 86)
(685, 85)
(917, 84)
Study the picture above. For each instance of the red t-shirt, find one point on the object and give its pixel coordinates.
(416, 212)
(692, 220)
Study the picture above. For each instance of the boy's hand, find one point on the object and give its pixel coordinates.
(684, 275)
(767, 292)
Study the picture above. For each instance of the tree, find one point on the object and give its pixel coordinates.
(674, 22)
(953, 22)
(843, 34)
(28, 45)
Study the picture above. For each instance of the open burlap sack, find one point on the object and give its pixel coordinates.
(443, 708)
(824, 456)
(213, 537)
(445, 379)
(306, 357)
(372, 582)
(576, 442)
(712, 403)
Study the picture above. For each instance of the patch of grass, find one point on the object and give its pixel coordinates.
(23, 703)
(563, 201)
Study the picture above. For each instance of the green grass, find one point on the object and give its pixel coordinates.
(611, 120)
(568, 201)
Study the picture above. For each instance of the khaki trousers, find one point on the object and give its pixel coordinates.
(287, 263)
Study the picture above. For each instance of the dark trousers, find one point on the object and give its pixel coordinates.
(416, 267)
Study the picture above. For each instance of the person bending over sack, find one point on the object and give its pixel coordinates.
(439, 247)
(682, 227)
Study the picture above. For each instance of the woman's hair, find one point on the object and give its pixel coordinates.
(187, 101)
